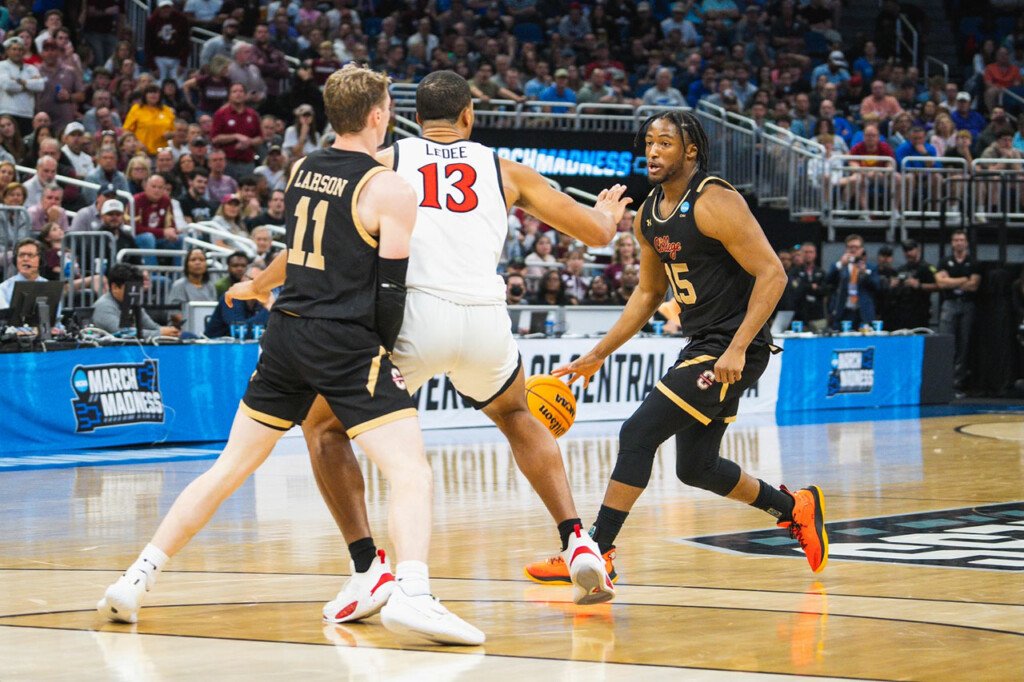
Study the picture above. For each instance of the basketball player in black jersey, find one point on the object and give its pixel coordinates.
(350, 222)
(698, 237)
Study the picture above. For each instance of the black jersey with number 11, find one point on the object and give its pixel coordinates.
(332, 259)
(711, 288)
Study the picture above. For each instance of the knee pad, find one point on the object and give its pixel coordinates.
(636, 455)
(719, 475)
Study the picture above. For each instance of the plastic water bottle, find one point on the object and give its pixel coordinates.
(549, 325)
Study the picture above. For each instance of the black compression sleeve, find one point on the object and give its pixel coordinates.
(390, 298)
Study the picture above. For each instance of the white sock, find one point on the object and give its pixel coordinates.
(150, 562)
(413, 578)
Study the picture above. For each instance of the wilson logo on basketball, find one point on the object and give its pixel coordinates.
(551, 401)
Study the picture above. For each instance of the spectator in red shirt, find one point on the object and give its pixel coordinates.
(154, 218)
(236, 130)
(872, 145)
(1000, 75)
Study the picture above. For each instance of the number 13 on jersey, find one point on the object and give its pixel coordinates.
(466, 175)
(682, 288)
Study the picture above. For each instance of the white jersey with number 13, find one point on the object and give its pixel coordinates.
(462, 221)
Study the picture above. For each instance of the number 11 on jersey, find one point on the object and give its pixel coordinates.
(296, 254)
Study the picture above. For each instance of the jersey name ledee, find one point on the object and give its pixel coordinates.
(319, 182)
(445, 152)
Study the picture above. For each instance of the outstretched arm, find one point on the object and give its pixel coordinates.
(724, 215)
(646, 298)
(595, 226)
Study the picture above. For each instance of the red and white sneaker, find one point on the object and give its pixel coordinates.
(591, 584)
(363, 594)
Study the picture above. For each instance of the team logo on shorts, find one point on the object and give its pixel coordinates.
(397, 377)
(114, 395)
(706, 380)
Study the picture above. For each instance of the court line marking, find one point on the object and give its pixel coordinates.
(441, 649)
(959, 429)
(826, 593)
(518, 601)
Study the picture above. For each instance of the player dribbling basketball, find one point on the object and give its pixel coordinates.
(697, 237)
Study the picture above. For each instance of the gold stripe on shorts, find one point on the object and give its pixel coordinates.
(381, 421)
(685, 406)
(695, 361)
(264, 418)
(371, 382)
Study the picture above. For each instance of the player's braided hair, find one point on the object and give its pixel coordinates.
(690, 130)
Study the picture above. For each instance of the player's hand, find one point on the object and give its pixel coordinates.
(584, 367)
(729, 368)
(246, 291)
(611, 201)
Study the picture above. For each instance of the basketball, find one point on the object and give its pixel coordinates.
(551, 401)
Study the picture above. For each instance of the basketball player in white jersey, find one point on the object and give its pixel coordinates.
(456, 323)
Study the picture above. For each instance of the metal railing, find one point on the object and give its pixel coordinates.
(807, 189)
(211, 230)
(127, 197)
(137, 12)
(161, 277)
(997, 190)
(85, 257)
(926, 191)
(910, 43)
(774, 148)
(928, 61)
(862, 192)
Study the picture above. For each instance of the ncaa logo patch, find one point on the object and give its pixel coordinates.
(397, 377)
(706, 380)
(684, 208)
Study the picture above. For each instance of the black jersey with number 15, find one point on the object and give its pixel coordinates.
(332, 260)
(711, 288)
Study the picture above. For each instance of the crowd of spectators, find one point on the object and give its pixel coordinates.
(82, 97)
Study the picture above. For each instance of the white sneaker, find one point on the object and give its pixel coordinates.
(123, 599)
(591, 584)
(363, 594)
(426, 618)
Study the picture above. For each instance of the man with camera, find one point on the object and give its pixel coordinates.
(106, 312)
(854, 284)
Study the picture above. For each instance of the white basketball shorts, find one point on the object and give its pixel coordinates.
(471, 344)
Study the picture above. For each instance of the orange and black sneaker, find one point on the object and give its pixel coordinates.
(553, 571)
(808, 525)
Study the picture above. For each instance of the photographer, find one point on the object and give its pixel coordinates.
(106, 312)
(911, 289)
(854, 283)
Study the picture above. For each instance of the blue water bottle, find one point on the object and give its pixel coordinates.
(549, 325)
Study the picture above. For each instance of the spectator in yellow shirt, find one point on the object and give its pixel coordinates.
(150, 120)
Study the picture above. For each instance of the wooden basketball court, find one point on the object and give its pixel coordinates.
(925, 580)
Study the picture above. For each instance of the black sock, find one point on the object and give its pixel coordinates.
(774, 501)
(363, 553)
(565, 529)
(606, 528)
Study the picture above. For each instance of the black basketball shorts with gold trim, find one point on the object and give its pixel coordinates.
(691, 384)
(342, 361)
